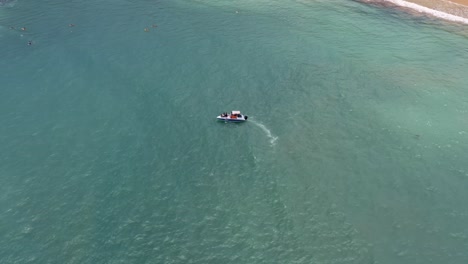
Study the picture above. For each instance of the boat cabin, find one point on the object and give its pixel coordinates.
(235, 114)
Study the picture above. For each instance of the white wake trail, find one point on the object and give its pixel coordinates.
(267, 132)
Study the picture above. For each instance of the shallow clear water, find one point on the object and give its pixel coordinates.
(355, 150)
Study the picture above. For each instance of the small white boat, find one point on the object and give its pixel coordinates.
(234, 116)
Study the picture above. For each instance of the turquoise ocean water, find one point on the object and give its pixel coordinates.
(355, 150)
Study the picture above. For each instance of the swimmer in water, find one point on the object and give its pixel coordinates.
(29, 43)
(146, 30)
(71, 25)
(23, 29)
(154, 25)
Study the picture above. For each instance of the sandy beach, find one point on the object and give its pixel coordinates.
(454, 4)
(461, 2)
(453, 10)
(453, 7)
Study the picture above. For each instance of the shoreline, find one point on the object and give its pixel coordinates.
(452, 7)
(453, 10)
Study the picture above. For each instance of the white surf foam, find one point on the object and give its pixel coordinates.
(267, 132)
(429, 11)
